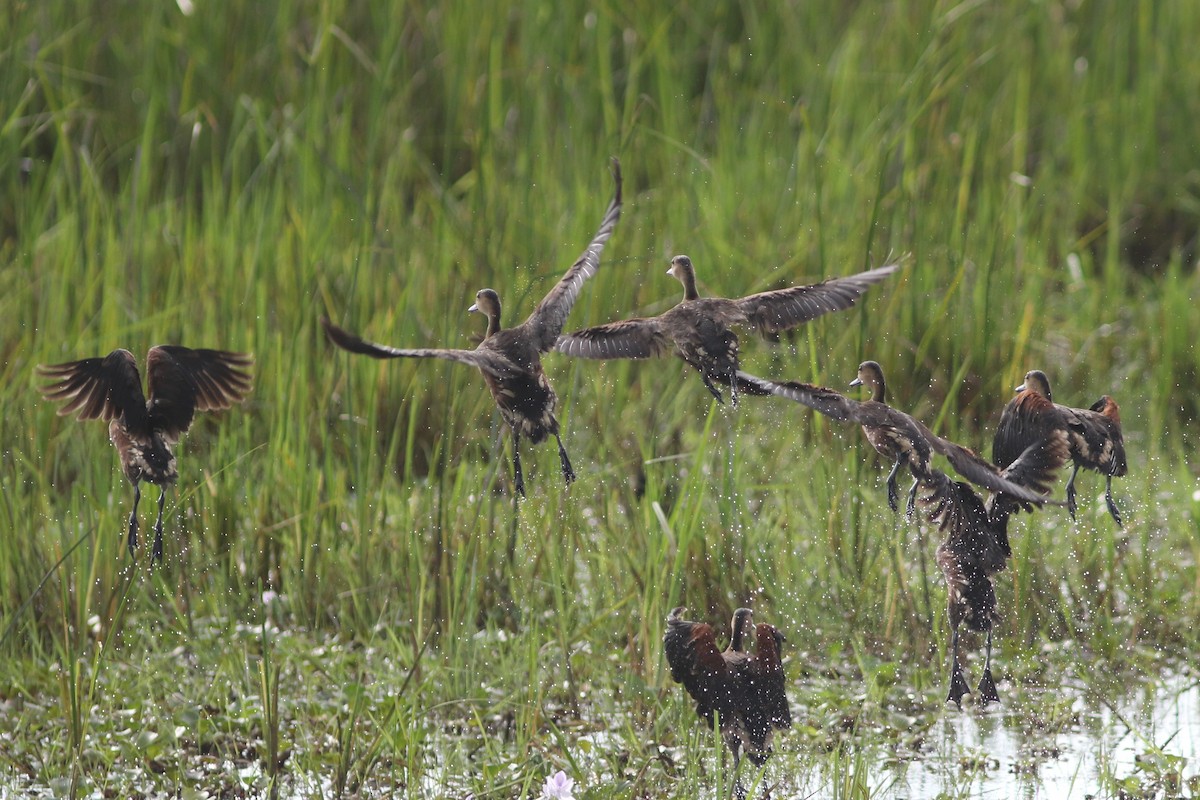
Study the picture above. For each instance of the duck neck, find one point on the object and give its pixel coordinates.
(737, 639)
(879, 390)
(688, 279)
(493, 327)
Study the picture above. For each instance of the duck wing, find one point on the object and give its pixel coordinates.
(99, 388)
(183, 381)
(955, 507)
(695, 661)
(781, 309)
(770, 680)
(485, 359)
(642, 337)
(837, 406)
(981, 473)
(1038, 465)
(546, 322)
(825, 401)
(1026, 419)
(1096, 437)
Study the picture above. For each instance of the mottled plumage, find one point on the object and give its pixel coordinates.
(510, 359)
(1094, 434)
(745, 692)
(181, 381)
(700, 328)
(976, 546)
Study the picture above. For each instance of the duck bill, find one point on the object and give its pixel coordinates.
(474, 307)
(1020, 388)
(856, 382)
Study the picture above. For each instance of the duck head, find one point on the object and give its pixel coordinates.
(870, 374)
(681, 269)
(1036, 382)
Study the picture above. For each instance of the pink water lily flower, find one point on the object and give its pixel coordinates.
(558, 787)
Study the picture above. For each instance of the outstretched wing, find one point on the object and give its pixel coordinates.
(630, 338)
(786, 308)
(825, 401)
(981, 473)
(183, 381)
(770, 682)
(546, 321)
(1036, 468)
(1038, 465)
(486, 360)
(99, 388)
(837, 406)
(953, 506)
(878, 415)
(695, 661)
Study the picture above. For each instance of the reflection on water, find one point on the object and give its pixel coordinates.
(1146, 743)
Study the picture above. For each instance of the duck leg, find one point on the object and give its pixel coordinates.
(1112, 506)
(987, 686)
(958, 683)
(912, 499)
(715, 391)
(739, 791)
(893, 494)
(158, 546)
(1071, 492)
(133, 521)
(518, 476)
(568, 473)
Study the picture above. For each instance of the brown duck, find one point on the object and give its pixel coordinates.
(181, 381)
(976, 547)
(700, 328)
(898, 437)
(509, 358)
(1094, 434)
(745, 691)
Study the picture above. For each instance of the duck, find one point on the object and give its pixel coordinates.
(895, 435)
(1094, 434)
(745, 691)
(510, 358)
(700, 329)
(976, 547)
(144, 430)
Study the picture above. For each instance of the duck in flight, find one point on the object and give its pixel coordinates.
(976, 546)
(1094, 434)
(145, 430)
(510, 358)
(895, 435)
(700, 329)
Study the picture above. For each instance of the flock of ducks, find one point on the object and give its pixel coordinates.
(744, 690)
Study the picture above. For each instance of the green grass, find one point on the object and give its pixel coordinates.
(223, 179)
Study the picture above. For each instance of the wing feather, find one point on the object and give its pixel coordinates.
(99, 388)
(629, 338)
(182, 381)
(781, 309)
(488, 361)
(546, 322)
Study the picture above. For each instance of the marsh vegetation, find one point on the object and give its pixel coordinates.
(350, 604)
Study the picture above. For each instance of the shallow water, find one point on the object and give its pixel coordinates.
(1147, 743)
(1106, 737)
